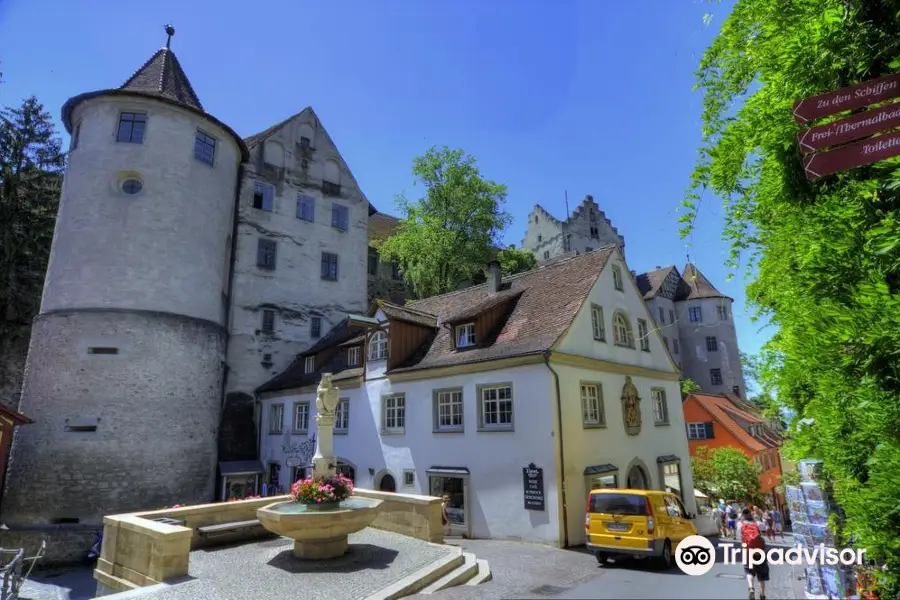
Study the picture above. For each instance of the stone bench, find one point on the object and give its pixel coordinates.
(226, 528)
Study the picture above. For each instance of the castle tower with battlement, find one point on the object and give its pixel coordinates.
(125, 369)
(584, 230)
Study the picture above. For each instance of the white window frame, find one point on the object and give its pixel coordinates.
(378, 345)
(276, 419)
(342, 416)
(592, 414)
(309, 364)
(484, 401)
(660, 406)
(620, 325)
(353, 356)
(409, 478)
(300, 423)
(598, 327)
(465, 335)
(267, 191)
(617, 278)
(452, 399)
(696, 431)
(695, 311)
(644, 335)
(393, 408)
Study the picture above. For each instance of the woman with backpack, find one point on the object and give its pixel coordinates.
(749, 532)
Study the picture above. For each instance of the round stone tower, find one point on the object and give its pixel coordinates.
(126, 363)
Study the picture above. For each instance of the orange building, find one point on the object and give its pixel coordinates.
(720, 421)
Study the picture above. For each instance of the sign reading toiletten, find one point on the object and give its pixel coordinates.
(534, 487)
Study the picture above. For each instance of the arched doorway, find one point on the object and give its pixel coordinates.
(387, 483)
(637, 478)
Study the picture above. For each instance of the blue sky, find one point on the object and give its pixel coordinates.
(590, 97)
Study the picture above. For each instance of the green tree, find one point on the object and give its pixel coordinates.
(725, 473)
(512, 260)
(31, 165)
(826, 253)
(688, 386)
(451, 232)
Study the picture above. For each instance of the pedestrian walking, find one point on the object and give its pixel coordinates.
(749, 531)
(731, 522)
(721, 516)
(779, 523)
(770, 523)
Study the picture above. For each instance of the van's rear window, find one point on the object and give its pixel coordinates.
(619, 504)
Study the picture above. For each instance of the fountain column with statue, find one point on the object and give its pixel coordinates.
(320, 530)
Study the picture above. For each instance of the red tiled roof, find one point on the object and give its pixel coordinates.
(723, 411)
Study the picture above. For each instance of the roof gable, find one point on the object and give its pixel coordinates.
(162, 75)
(722, 411)
(323, 141)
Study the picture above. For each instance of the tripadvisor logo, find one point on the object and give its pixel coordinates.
(696, 555)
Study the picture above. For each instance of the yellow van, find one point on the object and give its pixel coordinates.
(635, 523)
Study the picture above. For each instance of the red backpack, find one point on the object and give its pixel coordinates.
(750, 535)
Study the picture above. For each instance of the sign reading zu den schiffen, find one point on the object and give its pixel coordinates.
(853, 141)
(534, 487)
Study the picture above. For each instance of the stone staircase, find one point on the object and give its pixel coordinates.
(468, 570)
(455, 569)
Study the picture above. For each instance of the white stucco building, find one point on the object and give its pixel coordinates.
(555, 371)
(694, 318)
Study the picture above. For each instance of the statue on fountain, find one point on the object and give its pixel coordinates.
(327, 398)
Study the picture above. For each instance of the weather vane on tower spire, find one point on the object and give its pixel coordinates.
(170, 31)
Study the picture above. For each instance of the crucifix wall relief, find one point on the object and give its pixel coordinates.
(631, 408)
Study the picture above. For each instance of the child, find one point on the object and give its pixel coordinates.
(445, 516)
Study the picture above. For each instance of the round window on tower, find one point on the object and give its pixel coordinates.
(132, 186)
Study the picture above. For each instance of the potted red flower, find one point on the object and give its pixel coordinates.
(324, 493)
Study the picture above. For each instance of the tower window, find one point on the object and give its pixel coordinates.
(315, 327)
(306, 208)
(340, 217)
(263, 196)
(75, 135)
(546, 254)
(265, 254)
(131, 128)
(132, 186)
(268, 321)
(204, 148)
(305, 143)
(329, 266)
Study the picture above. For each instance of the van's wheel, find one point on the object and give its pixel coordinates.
(666, 559)
(602, 558)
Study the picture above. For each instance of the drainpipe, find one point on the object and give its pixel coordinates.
(562, 456)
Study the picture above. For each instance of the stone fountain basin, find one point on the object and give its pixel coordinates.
(292, 520)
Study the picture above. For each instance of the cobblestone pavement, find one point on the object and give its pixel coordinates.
(520, 569)
(268, 570)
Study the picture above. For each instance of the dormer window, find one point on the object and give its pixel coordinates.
(353, 356)
(617, 278)
(378, 346)
(309, 365)
(465, 335)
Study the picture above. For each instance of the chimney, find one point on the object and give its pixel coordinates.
(493, 279)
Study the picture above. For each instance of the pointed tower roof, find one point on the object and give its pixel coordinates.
(160, 78)
(695, 285)
(162, 75)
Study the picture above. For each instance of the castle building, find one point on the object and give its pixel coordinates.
(188, 267)
(694, 318)
(554, 374)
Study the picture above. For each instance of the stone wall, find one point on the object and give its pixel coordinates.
(13, 352)
(115, 432)
(65, 545)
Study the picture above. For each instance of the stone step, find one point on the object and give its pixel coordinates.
(483, 575)
(422, 578)
(457, 576)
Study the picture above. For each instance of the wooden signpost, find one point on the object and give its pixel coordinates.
(830, 144)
